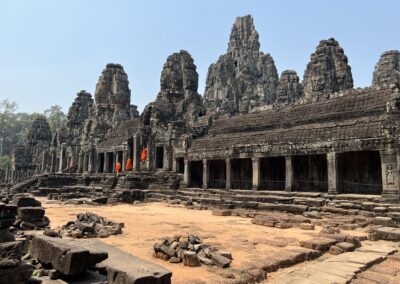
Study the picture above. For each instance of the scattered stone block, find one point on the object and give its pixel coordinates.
(307, 226)
(318, 243)
(221, 212)
(384, 221)
(190, 259)
(220, 260)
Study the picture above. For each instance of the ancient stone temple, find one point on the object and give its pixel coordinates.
(244, 77)
(252, 130)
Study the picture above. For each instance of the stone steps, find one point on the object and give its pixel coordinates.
(339, 268)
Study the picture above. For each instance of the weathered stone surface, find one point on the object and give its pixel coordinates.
(178, 98)
(31, 213)
(244, 77)
(221, 212)
(327, 72)
(16, 274)
(21, 200)
(10, 254)
(307, 226)
(220, 260)
(66, 256)
(289, 88)
(387, 70)
(318, 243)
(190, 259)
(338, 269)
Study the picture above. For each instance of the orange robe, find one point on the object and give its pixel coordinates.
(118, 167)
(143, 156)
(129, 165)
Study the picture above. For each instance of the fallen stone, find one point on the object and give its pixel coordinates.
(10, 254)
(384, 221)
(190, 259)
(220, 260)
(335, 250)
(66, 256)
(318, 243)
(221, 212)
(346, 246)
(307, 226)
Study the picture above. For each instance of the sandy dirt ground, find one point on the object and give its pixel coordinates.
(146, 223)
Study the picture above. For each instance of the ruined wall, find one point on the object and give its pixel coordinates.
(38, 139)
(244, 77)
(327, 72)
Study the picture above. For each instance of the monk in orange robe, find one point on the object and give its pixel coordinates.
(118, 167)
(143, 156)
(129, 165)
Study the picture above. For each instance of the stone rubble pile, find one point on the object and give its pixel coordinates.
(31, 214)
(90, 225)
(12, 268)
(191, 250)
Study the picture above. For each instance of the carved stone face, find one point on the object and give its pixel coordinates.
(318, 82)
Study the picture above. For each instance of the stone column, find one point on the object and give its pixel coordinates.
(205, 174)
(228, 164)
(150, 154)
(256, 173)
(186, 173)
(62, 158)
(106, 162)
(167, 158)
(44, 161)
(390, 174)
(289, 174)
(80, 163)
(124, 159)
(92, 162)
(53, 161)
(332, 161)
(136, 153)
(174, 165)
(115, 157)
(85, 162)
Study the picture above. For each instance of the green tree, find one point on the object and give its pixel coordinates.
(56, 117)
(7, 123)
(5, 161)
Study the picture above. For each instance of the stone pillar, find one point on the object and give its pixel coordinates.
(332, 161)
(124, 159)
(390, 174)
(114, 161)
(53, 161)
(289, 174)
(92, 162)
(167, 158)
(80, 163)
(44, 161)
(106, 162)
(205, 174)
(228, 164)
(136, 153)
(256, 173)
(85, 162)
(150, 154)
(174, 165)
(186, 173)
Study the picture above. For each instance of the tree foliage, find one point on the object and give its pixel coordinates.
(56, 117)
(14, 126)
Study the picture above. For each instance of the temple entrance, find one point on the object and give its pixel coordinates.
(159, 157)
(110, 162)
(216, 174)
(242, 173)
(360, 172)
(180, 165)
(196, 173)
(120, 156)
(130, 148)
(86, 163)
(310, 173)
(272, 173)
(100, 164)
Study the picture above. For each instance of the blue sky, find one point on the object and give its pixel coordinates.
(50, 50)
